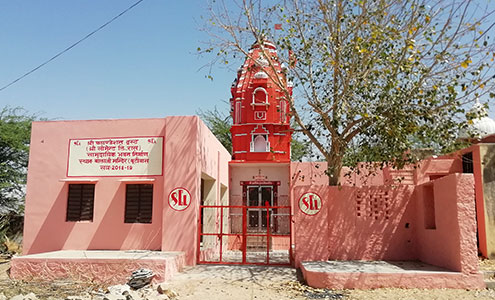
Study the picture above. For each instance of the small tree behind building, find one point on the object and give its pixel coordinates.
(15, 134)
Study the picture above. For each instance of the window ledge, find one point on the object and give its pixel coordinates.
(137, 180)
(79, 180)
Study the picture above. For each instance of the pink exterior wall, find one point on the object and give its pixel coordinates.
(189, 150)
(313, 173)
(45, 226)
(452, 244)
(389, 223)
(432, 168)
(349, 227)
(480, 198)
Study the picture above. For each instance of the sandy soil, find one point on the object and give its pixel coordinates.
(214, 282)
(487, 264)
(243, 282)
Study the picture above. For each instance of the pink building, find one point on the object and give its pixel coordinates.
(161, 193)
(119, 185)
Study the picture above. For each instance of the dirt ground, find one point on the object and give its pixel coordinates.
(44, 290)
(207, 282)
(246, 282)
(487, 264)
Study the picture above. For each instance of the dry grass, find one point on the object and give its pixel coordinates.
(44, 290)
(11, 247)
(59, 289)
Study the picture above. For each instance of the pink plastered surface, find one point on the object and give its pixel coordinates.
(190, 150)
(363, 280)
(342, 232)
(387, 223)
(100, 270)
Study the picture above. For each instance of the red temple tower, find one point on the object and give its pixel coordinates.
(260, 109)
(259, 171)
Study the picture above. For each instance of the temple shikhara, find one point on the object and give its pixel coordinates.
(105, 197)
(260, 110)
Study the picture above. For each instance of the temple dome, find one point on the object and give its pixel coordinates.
(481, 126)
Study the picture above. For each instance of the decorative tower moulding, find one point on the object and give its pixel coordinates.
(260, 109)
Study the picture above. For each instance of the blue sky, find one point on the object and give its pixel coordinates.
(142, 65)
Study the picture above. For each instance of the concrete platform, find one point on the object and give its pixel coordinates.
(379, 274)
(101, 266)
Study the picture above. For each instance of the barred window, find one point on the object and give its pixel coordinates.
(138, 203)
(80, 202)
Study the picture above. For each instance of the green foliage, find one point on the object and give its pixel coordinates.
(15, 133)
(300, 147)
(373, 80)
(219, 124)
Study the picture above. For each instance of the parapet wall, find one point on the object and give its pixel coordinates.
(402, 222)
(446, 230)
(372, 223)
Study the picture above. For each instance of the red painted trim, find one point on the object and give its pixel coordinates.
(244, 231)
(268, 234)
(190, 199)
(241, 206)
(221, 232)
(273, 183)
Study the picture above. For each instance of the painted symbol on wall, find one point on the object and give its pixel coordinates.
(260, 115)
(179, 199)
(310, 203)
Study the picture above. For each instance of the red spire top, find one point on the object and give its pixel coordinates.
(260, 108)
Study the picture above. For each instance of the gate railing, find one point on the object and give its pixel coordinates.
(215, 237)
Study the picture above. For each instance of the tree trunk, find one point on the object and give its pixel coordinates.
(333, 170)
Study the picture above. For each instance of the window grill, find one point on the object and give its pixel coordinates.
(138, 203)
(467, 162)
(80, 202)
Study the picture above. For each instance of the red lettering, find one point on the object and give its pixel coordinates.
(305, 202)
(174, 198)
(180, 198)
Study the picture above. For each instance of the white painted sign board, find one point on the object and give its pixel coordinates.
(119, 156)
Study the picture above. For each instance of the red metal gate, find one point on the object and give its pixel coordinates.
(242, 234)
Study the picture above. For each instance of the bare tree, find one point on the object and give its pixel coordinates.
(372, 79)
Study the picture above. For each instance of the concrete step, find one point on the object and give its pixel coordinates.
(490, 284)
(489, 274)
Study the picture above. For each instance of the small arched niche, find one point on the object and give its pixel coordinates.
(260, 96)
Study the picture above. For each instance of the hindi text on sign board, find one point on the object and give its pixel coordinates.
(124, 156)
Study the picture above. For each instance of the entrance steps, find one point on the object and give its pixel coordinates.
(101, 266)
(256, 243)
